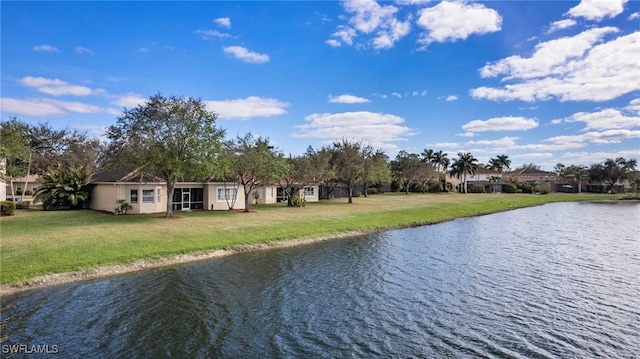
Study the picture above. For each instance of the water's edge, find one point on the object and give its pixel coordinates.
(54, 279)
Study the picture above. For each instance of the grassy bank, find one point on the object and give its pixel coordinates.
(36, 243)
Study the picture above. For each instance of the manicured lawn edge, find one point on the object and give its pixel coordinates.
(44, 248)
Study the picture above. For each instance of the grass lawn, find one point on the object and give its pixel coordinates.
(35, 243)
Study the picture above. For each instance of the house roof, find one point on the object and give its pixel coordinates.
(530, 171)
(30, 178)
(126, 175)
(482, 170)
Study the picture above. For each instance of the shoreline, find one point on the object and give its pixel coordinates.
(102, 272)
(51, 280)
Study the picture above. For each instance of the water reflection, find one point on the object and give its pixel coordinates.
(559, 280)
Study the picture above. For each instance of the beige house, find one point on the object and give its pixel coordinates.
(147, 193)
(22, 185)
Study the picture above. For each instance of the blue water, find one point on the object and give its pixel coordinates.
(556, 281)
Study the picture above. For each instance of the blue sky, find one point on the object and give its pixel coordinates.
(541, 81)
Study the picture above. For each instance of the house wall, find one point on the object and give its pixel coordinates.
(19, 184)
(105, 195)
(267, 195)
(315, 197)
(217, 204)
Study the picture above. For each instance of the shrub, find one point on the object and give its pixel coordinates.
(19, 192)
(372, 190)
(435, 187)
(518, 190)
(122, 206)
(509, 188)
(23, 205)
(299, 201)
(525, 187)
(7, 208)
(542, 188)
(477, 188)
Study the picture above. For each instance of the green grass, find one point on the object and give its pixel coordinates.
(35, 243)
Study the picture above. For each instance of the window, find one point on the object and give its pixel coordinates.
(159, 195)
(227, 194)
(269, 192)
(309, 192)
(147, 196)
(133, 196)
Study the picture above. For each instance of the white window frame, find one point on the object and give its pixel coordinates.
(269, 192)
(159, 195)
(147, 195)
(226, 194)
(309, 191)
(133, 194)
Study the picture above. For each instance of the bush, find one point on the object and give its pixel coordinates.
(23, 205)
(525, 187)
(299, 201)
(477, 188)
(435, 187)
(509, 188)
(19, 192)
(518, 190)
(372, 190)
(542, 188)
(7, 208)
(122, 206)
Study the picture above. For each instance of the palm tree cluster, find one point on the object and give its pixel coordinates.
(64, 189)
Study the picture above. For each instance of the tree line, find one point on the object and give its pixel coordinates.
(177, 139)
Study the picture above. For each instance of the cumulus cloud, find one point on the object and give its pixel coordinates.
(57, 87)
(603, 120)
(508, 123)
(243, 54)
(379, 129)
(597, 9)
(45, 48)
(207, 34)
(83, 51)
(578, 68)
(223, 22)
(561, 24)
(453, 20)
(130, 100)
(250, 107)
(603, 137)
(451, 98)
(347, 99)
(42, 107)
(378, 23)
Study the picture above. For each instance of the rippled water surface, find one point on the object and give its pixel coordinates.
(556, 281)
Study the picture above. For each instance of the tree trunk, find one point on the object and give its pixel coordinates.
(350, 187)
(247, 198)
(26, 178)
(290, 191)
(170, 189)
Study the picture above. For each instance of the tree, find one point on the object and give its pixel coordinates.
(300, 172)
(14, 149)
(407, 169)
(500, 163)
(254, 163)
(347, 161)
(578, 173)
(597, 173)
(62, 188)
(173, 136)
(617, 169)
(441, 162)
(463, 165)
(376, 169)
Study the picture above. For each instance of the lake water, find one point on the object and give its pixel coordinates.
(555, 281)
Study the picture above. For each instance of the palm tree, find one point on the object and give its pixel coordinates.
(427, 155)
(463, 165)
(63, 189)
(441, 162)
(500, 163)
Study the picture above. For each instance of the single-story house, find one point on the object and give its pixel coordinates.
(22, 185)
(147, 193)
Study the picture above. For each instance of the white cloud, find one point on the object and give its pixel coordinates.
(41, 107)
(570, 69)
(379, 129)
(451, 98)
(83, 51)
(533, 155)
(603, 120)
(333, 43)
(395, 94)
(504, 142)
(144, 49)
(609, 136)
(223, 22)
(247, 108)
(370, 18)
(130, 100)
(561, 24)
(347, 99)
(250, 57)
(45, 48)
(466, 134)
(597, 9)
(508, 123)
(57, 87)
(207, 34)
(634, 16)
(453, 20)
(595, 157)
